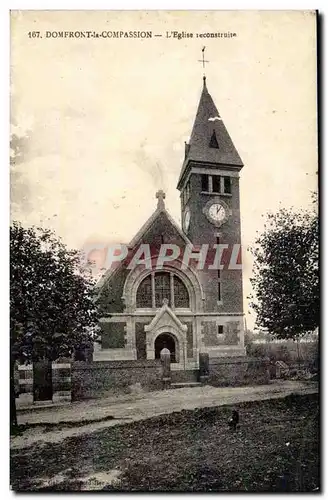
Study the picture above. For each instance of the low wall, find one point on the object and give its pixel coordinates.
(238, 371)
(61, 382)
(184, 375)
(106, 378)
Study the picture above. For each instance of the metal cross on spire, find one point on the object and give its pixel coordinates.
(203, 60)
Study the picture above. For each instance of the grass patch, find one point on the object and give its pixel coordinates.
(276, 449)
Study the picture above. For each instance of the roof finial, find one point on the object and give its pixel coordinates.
(203, 61)
(160, 195)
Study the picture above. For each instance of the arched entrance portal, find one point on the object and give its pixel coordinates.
(168, 341)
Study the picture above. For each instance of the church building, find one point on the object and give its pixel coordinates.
(189, 309)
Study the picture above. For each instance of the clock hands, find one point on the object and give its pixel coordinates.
(218, 209)
(215, 212)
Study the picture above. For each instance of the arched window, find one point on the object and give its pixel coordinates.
(144, 294)
(162, 289)
(181, 295)
(159, 286)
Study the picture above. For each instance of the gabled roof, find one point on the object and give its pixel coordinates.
(165, 316)
(208, 132)
(161, 210)
(161, 216)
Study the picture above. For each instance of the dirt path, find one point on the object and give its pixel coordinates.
(150, 405)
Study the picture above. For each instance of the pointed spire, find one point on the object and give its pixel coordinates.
(210, 141)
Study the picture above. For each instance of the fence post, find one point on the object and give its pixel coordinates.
(166, 364)
(204, 367)
(61, 381)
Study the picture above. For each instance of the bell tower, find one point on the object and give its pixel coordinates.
(210, 204)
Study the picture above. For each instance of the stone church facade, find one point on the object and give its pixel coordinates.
(189, 306)
(188, 309)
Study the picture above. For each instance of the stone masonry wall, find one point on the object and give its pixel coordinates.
(106, 378)
(237, 372)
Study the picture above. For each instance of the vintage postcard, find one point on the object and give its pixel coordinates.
(164, 251)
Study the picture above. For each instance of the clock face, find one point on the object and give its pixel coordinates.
(186, 220)
(217, 212)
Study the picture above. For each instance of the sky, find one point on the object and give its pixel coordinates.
(98, 125)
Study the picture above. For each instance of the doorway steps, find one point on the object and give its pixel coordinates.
(181, 379)
(184, 376)
(183, 385)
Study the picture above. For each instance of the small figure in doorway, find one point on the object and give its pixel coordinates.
(164, 351)
(233, 420)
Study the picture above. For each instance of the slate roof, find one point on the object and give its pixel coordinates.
(149, 223)
(208, 123)
(161, 216)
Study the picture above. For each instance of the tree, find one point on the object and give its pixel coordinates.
(52, 306)
(286, 274)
